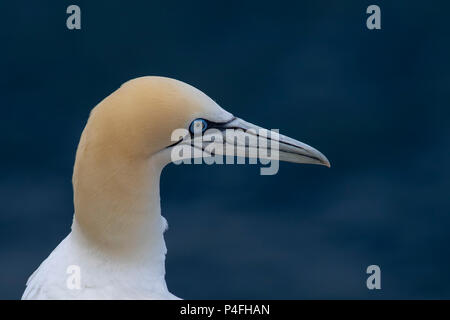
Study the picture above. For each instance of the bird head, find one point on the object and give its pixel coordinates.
(139, 120)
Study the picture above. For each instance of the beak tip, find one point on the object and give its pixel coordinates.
(324, 161)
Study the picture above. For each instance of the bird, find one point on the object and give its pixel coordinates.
(116, 248)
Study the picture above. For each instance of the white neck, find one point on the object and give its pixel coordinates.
(117, 219)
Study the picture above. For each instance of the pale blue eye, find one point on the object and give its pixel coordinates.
(197, 124)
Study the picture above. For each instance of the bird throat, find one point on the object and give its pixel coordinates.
(117, 204)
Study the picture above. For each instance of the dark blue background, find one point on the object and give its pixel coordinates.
(376, 103)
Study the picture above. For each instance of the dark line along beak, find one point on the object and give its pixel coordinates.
(290, 150)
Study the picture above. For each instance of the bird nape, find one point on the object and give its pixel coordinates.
(116, 247)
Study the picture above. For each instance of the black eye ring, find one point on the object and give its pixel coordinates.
(198, 122)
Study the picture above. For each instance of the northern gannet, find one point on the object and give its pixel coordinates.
(116, 242)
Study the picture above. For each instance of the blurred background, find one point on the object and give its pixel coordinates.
(376, 103)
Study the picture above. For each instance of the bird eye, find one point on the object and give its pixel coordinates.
(197, 125)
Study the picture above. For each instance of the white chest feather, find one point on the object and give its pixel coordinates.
(77, 271)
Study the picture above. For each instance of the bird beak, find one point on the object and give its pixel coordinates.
(289, 149)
